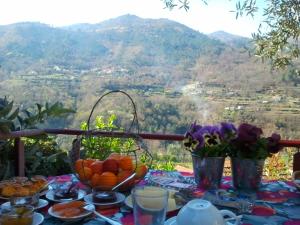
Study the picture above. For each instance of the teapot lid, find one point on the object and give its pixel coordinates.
(199, 204)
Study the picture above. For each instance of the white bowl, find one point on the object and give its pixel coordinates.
(202, 212)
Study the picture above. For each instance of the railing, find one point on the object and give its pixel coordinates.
(19, 145)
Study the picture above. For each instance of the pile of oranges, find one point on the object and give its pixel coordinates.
(109, 172)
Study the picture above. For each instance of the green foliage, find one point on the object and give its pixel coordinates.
(7, 115)
(278, 41)
(101, 147)
(6, 159)
(16, 119)
(31, 118)
(42, 154)
(163, 162)
(279, 166)
(277, 37)
(257, 150)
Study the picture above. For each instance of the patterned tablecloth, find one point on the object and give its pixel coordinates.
(273, 196)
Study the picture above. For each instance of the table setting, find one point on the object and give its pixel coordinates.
(121, 189)
(275, 202)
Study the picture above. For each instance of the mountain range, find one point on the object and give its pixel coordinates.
(175, 74)
(125, 41)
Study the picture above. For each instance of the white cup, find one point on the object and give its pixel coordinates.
(202, 212)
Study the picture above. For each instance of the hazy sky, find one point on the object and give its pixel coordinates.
(216, 16)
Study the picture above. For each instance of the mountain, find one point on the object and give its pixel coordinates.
(175, 74)
(230, 39)
(127, 40)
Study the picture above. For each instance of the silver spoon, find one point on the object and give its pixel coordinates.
(124, 181)
(91, 208)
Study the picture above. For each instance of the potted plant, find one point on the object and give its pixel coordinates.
(209, 147)
(248, 152)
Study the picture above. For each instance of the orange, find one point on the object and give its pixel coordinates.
(125, 163)
(85, 173)
(97, 167)
(79, 164)
(115, 156)
(95, 180)
(83, 163)
(140, 170)
(107, 179)
(89, 162)
(110, 165)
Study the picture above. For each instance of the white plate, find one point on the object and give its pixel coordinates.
(84, 214)
(120, 198)
(50, 196)
(42, 203)
(171, 221)
(38, 218)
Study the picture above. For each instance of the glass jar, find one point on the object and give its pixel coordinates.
(17, 215)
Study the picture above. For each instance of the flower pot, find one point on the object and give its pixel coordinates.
(208, 171)
(247, 173)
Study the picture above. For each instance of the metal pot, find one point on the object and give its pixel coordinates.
(208, 171)
(247, 173)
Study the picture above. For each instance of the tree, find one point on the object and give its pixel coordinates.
(277, 37)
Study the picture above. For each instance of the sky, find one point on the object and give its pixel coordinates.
(209, 18)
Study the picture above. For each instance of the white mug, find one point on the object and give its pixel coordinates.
(202, 212)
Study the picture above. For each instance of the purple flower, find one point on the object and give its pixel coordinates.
(273, 143)
(199, 137)
(210, 130)
(195, 127)
(228, 131)
(248, 133)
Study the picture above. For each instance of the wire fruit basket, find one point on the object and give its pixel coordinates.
(116, 166)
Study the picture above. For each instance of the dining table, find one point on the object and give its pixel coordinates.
(275, 202)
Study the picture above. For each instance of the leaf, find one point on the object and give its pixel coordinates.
(28, 114)
(39, 106)
(5, 111)
(7, 171)
(5, 125)
(14, 114)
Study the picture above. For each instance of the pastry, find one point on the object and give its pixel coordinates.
(8, 191)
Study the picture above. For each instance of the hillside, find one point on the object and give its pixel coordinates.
(127, 41)
(175, 74)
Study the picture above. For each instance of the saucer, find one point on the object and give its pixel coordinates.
(38, 218)
(84, 214)
(50, 196)
(120, 198)
(171, 221)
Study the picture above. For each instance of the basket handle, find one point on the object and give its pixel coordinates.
(135, 118)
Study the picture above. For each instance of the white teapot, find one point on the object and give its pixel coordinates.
(202, 212)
